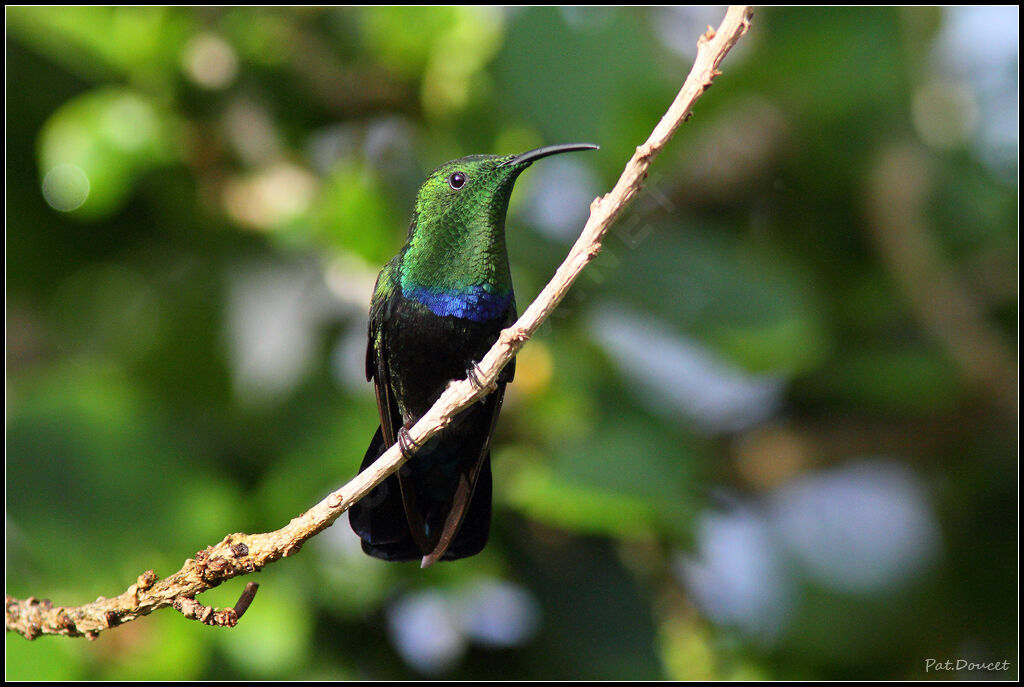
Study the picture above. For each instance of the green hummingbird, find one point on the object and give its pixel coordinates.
(437, 308)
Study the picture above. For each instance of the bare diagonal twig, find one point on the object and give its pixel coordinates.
(240, 554)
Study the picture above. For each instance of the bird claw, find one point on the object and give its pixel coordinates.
(406, 445)
(473, 374)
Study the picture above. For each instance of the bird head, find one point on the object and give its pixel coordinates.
(476, 189)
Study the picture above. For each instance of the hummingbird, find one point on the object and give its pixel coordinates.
(437, 308)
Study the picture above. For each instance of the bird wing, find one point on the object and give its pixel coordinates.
(377, 372)
(390, 417)
(385, 291)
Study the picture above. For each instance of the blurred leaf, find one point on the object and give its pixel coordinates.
(353, 211)
(448, 46)
(93, 149)
(139, 41)
(566, 79)
(631, 457)
(541, 494)
(99, 445)
(403, 38)
(153, 651)
(274, 638)
(747, 305)
(49, 661)
(903, 380)
(628, 478)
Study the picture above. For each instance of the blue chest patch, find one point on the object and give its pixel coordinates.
(475, 303)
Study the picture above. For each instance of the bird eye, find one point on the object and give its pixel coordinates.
(457, 180)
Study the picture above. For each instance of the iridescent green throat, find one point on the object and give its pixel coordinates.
(459, 274)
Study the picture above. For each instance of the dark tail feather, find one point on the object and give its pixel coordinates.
(380, 520)
(379, 517)
(472, 535)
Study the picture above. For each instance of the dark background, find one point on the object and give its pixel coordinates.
(771, 434)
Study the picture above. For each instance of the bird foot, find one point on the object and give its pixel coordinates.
(406, 445)
(474, 374)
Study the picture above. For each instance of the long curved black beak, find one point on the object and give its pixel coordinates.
(533, 155)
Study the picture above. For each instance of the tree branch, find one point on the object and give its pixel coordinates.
(240, 554)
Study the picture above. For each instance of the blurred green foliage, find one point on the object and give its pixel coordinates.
(198, 200)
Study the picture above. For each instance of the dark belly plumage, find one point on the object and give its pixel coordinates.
(425, 352)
